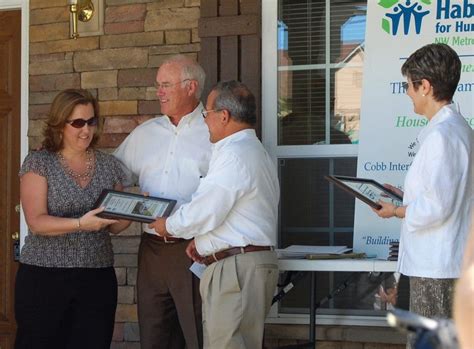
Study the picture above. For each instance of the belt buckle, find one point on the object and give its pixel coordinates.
(168, 241)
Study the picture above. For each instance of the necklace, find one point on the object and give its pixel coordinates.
(78, 176)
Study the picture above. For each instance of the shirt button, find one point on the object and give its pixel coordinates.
(166, 172)
(171, 153)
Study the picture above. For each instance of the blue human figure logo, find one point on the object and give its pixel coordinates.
(406, 12)
(418, 18)
(395, 17)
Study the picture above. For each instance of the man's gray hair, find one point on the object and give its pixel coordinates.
(190, 69)
(236, 97)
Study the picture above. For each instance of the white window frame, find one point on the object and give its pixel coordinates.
(270, 141)
(269, 96)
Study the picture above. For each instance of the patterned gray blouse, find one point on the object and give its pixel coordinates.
(79, 249)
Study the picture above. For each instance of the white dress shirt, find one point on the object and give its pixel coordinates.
(236, 204)
(438, 195)
(167, 160)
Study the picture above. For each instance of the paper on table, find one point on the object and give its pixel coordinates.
(301, 251)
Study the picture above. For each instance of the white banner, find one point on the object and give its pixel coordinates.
(389, 126)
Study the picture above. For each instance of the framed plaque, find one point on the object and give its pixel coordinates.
(134, 207)
(367, 190)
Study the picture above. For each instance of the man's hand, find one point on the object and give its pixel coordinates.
(193, 253)
(160, 227)
(389, 295)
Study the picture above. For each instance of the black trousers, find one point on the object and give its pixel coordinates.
(65, 308)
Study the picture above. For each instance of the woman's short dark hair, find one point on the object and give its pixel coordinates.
(61, 109)
(236, 97)
(437, 63)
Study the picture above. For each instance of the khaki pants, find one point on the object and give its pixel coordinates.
(237, 293)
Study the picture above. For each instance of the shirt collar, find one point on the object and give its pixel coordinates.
(444, 113)
(188, 119)
(235, 137)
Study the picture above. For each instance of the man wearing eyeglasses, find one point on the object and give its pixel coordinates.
(169, 155)
(232, 218)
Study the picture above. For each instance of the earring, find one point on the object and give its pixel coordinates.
(423, 95)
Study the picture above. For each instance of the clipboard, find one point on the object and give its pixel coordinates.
(366, 190)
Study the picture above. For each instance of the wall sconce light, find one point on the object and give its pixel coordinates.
(82, 10)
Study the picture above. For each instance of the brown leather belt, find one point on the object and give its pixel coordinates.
(232, 252)
(166, 240)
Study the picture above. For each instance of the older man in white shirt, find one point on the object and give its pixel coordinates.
(168, 155)
(233, 219)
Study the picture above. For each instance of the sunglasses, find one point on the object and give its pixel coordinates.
(80, 123)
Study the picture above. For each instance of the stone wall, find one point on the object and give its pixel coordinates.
(119, 68)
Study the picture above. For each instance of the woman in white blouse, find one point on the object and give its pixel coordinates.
(438, 189)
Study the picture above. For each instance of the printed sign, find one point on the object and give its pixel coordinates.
(389, 126)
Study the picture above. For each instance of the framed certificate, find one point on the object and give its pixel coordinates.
(134, 207)
(367, 190)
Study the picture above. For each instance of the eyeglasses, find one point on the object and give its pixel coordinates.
(80, 123)
(168, 85)
(405, 84)
(205, 112)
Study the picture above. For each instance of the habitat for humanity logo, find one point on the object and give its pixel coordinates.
(403, 13)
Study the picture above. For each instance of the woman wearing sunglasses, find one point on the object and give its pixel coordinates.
(66, 288)
(438, 195)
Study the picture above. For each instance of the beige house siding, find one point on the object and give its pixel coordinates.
(348, 93)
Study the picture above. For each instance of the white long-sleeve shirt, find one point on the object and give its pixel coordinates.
(167, 160)
(236, 204)
(438, 195)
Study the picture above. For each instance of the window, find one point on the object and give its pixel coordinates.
(312, 92)
(320, 59)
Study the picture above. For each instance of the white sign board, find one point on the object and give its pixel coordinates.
(389, 126)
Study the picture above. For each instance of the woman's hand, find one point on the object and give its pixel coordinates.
(386, 211)
(91, 222)
(394, 189)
